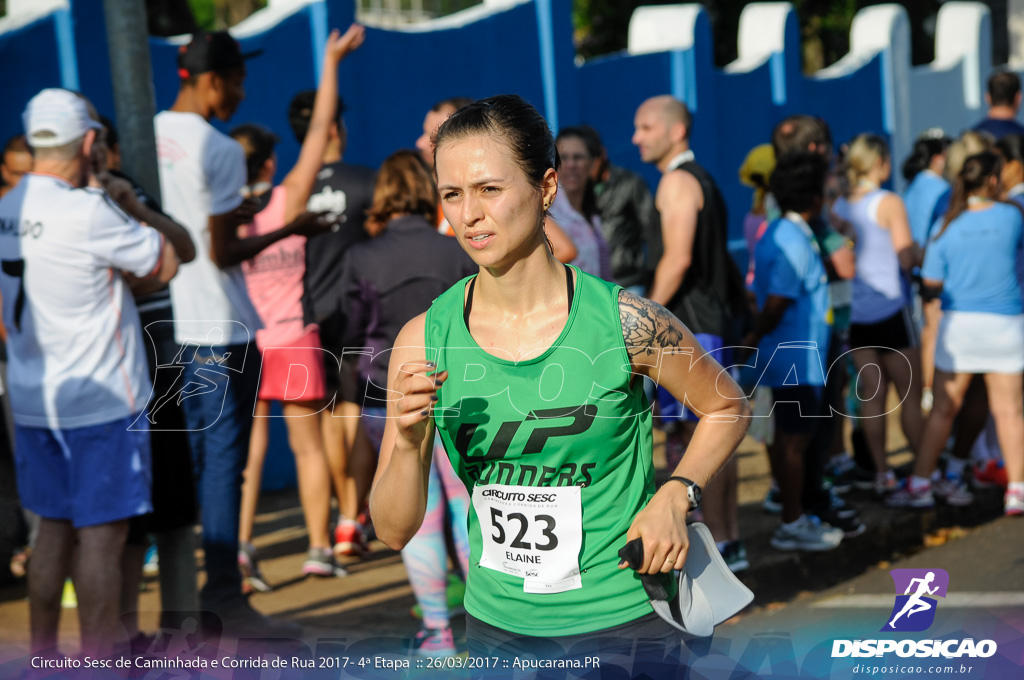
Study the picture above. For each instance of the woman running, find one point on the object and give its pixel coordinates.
(379, 298)
(883, 334)
(530, 374)
(274, 280)
(972, 263)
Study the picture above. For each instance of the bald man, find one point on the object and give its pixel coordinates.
(696, 279)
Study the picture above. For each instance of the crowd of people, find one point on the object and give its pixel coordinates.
(149, 337)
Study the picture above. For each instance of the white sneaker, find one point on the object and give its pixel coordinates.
(807, 534)
(953, 491)
(1013, 503)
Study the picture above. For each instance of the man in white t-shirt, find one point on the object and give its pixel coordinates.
(202, 174)
(77, 372)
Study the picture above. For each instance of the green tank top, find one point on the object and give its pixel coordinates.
(568, 417)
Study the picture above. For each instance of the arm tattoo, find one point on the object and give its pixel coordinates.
(647, 326)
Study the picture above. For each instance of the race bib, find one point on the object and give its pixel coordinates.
(534, 533)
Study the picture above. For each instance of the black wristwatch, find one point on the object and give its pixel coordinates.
(693, 491)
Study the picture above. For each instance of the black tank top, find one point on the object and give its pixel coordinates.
(711, 298)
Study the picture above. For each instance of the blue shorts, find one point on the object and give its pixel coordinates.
(672, 411)
(86, 475)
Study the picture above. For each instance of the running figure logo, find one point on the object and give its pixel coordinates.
(914, 610)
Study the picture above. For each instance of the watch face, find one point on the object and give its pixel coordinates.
(697, 494)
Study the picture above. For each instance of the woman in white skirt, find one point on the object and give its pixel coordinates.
(972, 263)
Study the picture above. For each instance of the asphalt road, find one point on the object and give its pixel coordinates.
(985, 600)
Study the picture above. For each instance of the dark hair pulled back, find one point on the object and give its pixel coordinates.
(1011, 148)
(921, 157)
(510, 116)
(977, 172)
(258, 143)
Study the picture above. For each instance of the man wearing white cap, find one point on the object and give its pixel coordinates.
(77, 372)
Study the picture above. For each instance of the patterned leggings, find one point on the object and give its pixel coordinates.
(426, 556)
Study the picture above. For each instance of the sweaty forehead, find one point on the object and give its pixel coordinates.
(470, 158)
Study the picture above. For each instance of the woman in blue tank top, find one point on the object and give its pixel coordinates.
(883, 334)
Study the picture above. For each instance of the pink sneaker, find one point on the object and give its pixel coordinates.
(434, 642)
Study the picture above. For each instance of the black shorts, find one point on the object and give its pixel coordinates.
(646, 645)
(797, 409)
(895, 333)
(339, 381)
(174, 486)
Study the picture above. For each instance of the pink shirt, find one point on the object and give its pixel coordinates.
(274, 278)
(592, 254)
(753, 228)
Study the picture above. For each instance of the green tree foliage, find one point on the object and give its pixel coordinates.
(601, 25)
(217, 15)
(204, 12)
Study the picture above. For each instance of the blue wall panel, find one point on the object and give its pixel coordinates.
(32, 63)
(398, 77)
(391, 82)
(851, 104)
(90, 36)
(744, 117)
(610, 90)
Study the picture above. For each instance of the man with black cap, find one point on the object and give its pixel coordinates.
(202, 173)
